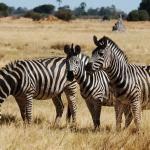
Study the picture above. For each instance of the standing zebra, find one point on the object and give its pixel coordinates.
(130, 83)
(94, 88)
(39, 79)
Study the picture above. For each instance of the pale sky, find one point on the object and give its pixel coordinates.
(125, 5)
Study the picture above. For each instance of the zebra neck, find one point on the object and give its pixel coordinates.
(81, 76)
(117, 73)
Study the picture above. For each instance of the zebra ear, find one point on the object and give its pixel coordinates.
(95, 40)
(67, 49)
(77, 49)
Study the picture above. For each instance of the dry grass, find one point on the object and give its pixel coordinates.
(24, 39)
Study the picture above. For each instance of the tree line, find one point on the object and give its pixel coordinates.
(66, 13)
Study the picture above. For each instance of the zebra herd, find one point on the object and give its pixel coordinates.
(105, 79)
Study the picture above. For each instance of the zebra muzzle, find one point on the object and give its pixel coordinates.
(70, 76)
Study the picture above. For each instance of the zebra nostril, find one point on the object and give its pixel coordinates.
(70, 76)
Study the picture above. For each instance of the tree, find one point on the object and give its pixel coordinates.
(64, 13)
(133, 15)
(4, 10)
(47, 9)
(80, 11)
(83, 6)
(59, 2)
(145, 5)
(143, 15)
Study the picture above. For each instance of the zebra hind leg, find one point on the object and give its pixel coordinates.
(128, 116)
(119, 109)
(59, 109)
(136, 111)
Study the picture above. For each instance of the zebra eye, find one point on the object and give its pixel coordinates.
(100, 53)
(76, 61)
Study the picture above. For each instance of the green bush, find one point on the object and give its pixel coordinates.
(64, 14)
(133, 16)
(143, 15)
(34, 16)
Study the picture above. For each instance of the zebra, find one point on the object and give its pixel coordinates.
(38, 79)
(94, 88)
(130, 83)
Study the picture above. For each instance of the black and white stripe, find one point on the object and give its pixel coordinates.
(39, 79)
(130, 83)
(94, 88)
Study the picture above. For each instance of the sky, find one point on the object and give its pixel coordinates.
(125, 5)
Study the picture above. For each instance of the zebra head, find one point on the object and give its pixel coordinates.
(72, 60)
(101, 55)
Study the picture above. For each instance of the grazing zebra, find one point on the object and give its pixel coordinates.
(130, 83)
(39, 79)
(93, 88)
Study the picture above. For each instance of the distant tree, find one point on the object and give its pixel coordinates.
(4, 10)
(83, 6)
(143, 15)
(80, 11)
(59, 2)
(47, 9)
(133, 16)
(64, 13)
(145, 5)
(20, 10)
(92, 12)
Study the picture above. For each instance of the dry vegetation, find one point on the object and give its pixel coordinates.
(24, 39)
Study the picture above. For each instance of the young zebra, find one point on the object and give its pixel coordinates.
(130, 83)
(93, 88)
(39, 79)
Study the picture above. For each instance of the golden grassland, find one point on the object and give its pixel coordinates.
(25, 39)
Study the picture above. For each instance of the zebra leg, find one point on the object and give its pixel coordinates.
(71, 97)
(92, 112)
(136, 111)
(68, 115)
(128, 116)
(21, 104)
(97, 108)
(0, 111)
(59, 108)
(119, 108)
(28, 108)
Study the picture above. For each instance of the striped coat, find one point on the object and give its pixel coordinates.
(39, 79)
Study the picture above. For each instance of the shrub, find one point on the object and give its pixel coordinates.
(133, 16)
(34, 16)
(143, 15)
(64, 14)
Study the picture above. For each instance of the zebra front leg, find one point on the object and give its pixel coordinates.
(28, 108)
(92, 112)
(21, 103)
(71, 97)
(119, 108)
(59, 108)
(68, 115)
(97, 112)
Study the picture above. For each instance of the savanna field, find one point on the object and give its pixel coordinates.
(25, 39)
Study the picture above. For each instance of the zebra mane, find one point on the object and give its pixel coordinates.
(84, 58)
(117, 48)
(9, 65)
